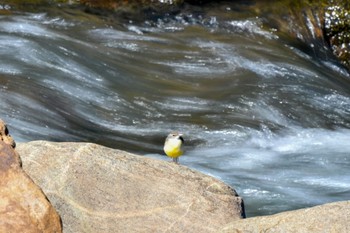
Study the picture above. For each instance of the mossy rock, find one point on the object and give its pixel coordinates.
(337, 29)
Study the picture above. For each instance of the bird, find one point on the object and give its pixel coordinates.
(172, 146)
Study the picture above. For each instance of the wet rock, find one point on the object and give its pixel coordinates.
(330, 218)
(98, 189)
(23, 206)
(101, 4)
(322, 26)
(337, 29)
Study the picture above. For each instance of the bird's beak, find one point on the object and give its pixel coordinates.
(181, 138)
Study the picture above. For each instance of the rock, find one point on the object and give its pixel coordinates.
(330, 218)
(100, 4)
(23, 206)
(5, 136)
(98, 189)
(337, 30)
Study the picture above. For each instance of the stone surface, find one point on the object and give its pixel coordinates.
(328, 218)
(23, 206)
(5, 136)
(337, 30)
(98, 189)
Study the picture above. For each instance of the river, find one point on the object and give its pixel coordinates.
(265, 114)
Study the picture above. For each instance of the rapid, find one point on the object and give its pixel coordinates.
(262, 113)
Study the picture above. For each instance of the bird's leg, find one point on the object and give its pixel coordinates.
(176, 160)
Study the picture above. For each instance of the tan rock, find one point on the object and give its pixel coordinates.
(328, 218)
(23, 206)
(98, 189)
(5, 136)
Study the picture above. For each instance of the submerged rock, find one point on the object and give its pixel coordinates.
(98, 189)
(330, 218)
(23, 206)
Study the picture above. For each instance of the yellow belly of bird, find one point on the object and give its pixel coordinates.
(172, 152)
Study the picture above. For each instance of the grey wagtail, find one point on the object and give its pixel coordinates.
(172, 146)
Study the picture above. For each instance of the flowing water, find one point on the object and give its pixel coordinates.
(266, 116)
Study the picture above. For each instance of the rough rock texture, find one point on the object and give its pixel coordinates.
(337, 29)
(98, 189)
(330, 218)
(23, 206)
(5, 136)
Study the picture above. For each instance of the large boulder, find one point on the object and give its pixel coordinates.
(330, 218)
(23, 206)
(98, 189)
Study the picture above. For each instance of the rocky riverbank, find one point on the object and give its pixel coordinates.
(98, 189)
